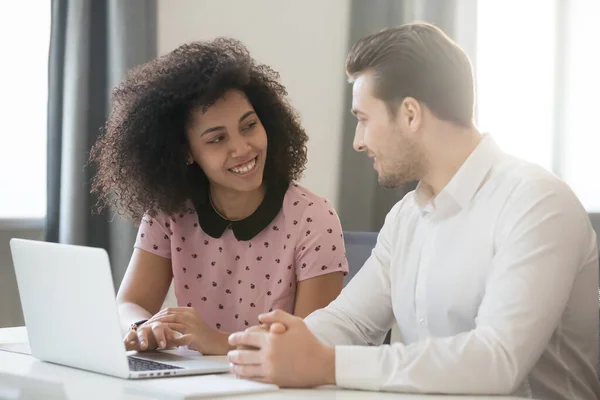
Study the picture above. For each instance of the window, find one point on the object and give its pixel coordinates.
(24, 40)
(538, 86)
(582, 102)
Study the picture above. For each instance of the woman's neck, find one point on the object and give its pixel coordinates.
(233, 205)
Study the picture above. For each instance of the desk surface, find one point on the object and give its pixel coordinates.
(80, 384)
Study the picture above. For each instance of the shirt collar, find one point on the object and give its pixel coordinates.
(465, 184)
(214, 225)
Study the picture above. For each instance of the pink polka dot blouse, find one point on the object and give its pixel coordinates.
(242, 269)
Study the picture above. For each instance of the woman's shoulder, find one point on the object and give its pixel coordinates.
(184, 216)
(301, 198)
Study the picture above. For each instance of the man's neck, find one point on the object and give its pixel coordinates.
(450, 149)
(234, 205)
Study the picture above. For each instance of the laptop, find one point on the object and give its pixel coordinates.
(70, 311)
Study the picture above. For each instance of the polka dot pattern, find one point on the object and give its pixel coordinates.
(231, 282)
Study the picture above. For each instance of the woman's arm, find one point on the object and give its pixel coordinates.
(316, 293)
(144, 287)
(320, 256)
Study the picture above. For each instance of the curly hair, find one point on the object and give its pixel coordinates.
(140, 155)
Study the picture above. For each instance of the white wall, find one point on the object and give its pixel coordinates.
(305, 41)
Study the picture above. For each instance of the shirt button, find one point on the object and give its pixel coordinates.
(422, 321)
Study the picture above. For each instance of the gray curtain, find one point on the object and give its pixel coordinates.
(93, 43)
(363, 204)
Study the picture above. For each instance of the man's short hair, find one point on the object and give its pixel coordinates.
(417, 60)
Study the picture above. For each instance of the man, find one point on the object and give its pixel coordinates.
(489, 267)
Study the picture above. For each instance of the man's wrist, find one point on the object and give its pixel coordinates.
(329, 366)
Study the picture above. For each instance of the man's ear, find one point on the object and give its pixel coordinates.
(410, 115)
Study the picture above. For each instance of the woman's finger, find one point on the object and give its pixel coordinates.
(170, 318)
(183, 340)
(158, 330)
(131, 343)
(130, 336)
(170, 336)
(155, 316)
(181, 328)
(159, 314)
(142, 334)
(170, 311)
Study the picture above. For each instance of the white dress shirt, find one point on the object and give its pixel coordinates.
(493, 284)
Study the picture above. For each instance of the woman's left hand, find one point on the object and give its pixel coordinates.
(196, 334)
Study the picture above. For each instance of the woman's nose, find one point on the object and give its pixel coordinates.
(239, 147)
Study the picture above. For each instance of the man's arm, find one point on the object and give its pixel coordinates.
(362, 314)
(541, 241)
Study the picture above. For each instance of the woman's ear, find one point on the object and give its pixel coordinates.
(190, 159)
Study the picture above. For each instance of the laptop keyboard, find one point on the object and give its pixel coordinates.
(138, 364)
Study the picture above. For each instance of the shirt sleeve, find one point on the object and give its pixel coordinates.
(542, 238)
(362, 314)
(154, 235)
(320, 248)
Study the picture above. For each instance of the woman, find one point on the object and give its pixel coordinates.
(204, 145)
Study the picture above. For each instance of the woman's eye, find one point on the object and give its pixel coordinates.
(249, 126)
(217, 139)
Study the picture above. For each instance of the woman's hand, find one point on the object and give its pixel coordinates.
(151, 336)
(196, 334)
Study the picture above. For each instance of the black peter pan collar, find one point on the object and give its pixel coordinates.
(214, 225)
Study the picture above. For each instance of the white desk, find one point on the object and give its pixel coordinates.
(80, 384)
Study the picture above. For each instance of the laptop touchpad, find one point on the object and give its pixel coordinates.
(165, 356)
(181, 357)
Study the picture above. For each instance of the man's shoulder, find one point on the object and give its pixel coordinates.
(523, 191)
(516, 177)
(404, 208)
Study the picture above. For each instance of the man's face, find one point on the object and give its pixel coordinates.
(397, 156)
